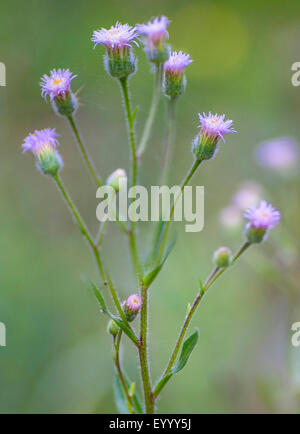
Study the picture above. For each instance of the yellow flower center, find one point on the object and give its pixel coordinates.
(57, 81)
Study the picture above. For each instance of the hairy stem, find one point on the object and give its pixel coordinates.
(83, 228)
(130, 122)
(152, 112)
(216, 273)
(187, 179)
(84, 151)
(117, 341)
(143, 353)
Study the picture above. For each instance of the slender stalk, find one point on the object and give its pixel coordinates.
(152, 112)
(117, 341)
(169, 143)
(130, 121)
(84, 151)
(187, 179)
(143, 353)
(81, 224)
(216, 273)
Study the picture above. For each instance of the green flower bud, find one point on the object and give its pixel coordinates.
(117, 179)
(222, 257)
(66, 105)
(113, 328)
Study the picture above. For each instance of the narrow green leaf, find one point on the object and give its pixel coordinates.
(119, 394)
(134, 113)
(126, 329)
(99, 297)
(186, 351)
(136, 401)
(153, 273)
(162, 382)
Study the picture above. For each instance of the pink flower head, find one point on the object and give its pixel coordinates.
(155, 31)
(215, 126)
(177, 63)
(58, 84)
(263, 216)
(118, 37)
(278, 154)
(134, 302)
(41, 140)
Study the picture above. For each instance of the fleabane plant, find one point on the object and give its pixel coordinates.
(169, 69)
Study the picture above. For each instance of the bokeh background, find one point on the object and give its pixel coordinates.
(58, 354)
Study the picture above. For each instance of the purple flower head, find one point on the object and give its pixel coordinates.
(40, 141)
(43, 145)
(155, 31)
(177, 63)
(215, 126)
(116, 39)
(134, 302)
(278, 154)
(58, 84)
(262, 216)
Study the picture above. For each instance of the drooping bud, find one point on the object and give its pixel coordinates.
(213, 128)
(113, 328)
(132, 306)
(222, 257)
(119, 60)
(154, 35)
(43, 145)
(261, 219)
(174, 78)
(57, 87)
(117, 179)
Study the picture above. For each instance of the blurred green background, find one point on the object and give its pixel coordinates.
(58, 356)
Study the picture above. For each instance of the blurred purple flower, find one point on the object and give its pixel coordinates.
(230, 217)
(117, 38)
(177, 63)
(214, 126)
(263, 216)
(279, 154)
(39, 141)
(58, 84)
(155, 30)
(248, 195)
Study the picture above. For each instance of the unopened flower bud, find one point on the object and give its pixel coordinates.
(120, 61)
(154, 35)
(113, 328)
(174, 78)
(261, 219)
(43, 145)
(213, 128)
(57, 87)
(222, 257)
(117, 179)
(132, 306)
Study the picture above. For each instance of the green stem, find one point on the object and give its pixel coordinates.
(130, 121)
(216, 273)
(152, 112)
(169, 143)
(117, 341)
(187, 179)
(143, 353)
(84, 230)
(84, 151)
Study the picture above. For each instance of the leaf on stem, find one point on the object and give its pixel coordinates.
(126, 329)
(154, 272)
(186, 351)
